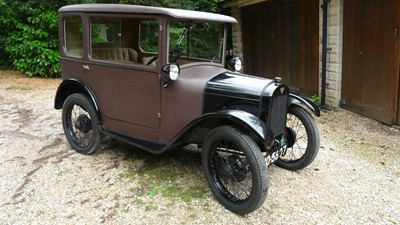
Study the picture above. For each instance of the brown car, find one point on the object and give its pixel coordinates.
(157, 78)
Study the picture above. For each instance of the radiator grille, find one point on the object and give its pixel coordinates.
(277, 113)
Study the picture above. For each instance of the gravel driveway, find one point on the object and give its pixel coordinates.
(354, 180)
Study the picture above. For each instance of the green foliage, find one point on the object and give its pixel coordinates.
(29, 30)
(164, 176)
(316, 99)
(149, 35)
(28, 38)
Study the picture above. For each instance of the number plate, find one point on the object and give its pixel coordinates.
(272, 157)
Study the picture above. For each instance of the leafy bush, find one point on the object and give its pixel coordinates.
(33, 49)
(28, 38)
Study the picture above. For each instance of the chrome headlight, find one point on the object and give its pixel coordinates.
(174, 72)
(171, 71)
(235, 64)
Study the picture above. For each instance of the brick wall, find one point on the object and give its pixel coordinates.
(334, 53)
(237, 33)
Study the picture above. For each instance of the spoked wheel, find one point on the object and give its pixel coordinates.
(80, 124)
(303, 140)
(235, 169)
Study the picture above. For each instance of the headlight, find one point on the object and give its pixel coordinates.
(238, 64)
(235, 64)
(171, 71)
(174, 72)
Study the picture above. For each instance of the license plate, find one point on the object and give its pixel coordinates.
(272, 157)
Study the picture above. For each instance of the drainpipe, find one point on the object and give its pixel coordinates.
(324, 49)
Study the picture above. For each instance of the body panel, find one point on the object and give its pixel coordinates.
(234, 90)
(127, 95)
(182, 100)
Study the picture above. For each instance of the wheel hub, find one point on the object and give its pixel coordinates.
(236, 168)
(290, 137)
(83, 124)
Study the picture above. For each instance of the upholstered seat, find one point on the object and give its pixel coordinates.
(115, 54)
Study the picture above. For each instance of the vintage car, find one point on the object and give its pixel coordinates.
(158, 79)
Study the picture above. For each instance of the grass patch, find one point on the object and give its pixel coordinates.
(167, 177)
(13, 88)
(291, 178)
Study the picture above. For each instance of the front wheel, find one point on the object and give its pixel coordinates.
(303, 139)
(80, 124)
(235, 169)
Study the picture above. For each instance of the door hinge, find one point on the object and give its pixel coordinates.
(159, 115)
(396, 32)
(160, 28)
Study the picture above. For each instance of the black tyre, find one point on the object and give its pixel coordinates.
(235, 169)
(303, 140)
(80, 124)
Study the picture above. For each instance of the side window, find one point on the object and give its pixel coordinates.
(124, 40)
(73, 36)
(148, 41)
(105, 36)
(149, 36)
(106, 32)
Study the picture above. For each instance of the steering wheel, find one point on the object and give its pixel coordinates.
(176, 52)
(172, 52)
(154, 58)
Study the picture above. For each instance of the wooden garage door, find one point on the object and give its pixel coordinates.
(371, 59)
(280, 38)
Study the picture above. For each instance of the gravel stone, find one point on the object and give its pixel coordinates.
(355, 179)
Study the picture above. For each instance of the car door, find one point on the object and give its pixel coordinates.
(128, 90)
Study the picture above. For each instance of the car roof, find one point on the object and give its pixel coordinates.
(139, 9)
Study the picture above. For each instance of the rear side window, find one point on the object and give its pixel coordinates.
(73, 36)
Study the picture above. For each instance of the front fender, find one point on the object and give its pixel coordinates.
(295, 99)
(234, 117)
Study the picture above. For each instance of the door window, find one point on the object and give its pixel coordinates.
(123, 40)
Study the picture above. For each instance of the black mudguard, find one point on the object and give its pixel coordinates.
(238, 118)
(71, 86)
(295, 99)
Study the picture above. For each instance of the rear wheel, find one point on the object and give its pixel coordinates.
(235, 169)
(303, 140)
(80, 124)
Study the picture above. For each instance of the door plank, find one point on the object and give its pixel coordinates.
(280, 38)
(370, 58)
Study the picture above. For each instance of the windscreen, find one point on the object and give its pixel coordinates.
(196, 42)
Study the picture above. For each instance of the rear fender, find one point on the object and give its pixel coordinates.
(72, 86)
(295, 99)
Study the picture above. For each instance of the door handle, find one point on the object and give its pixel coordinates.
(86, 67)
